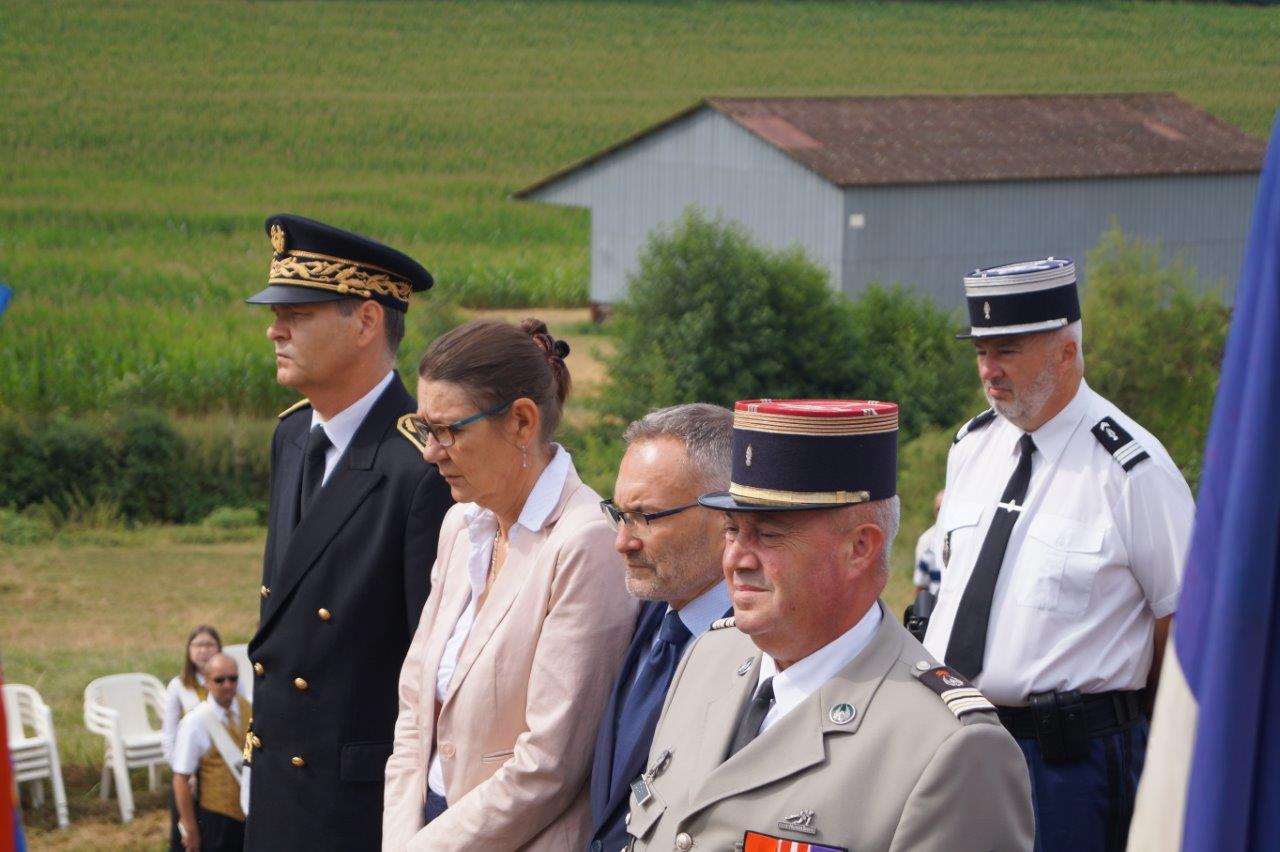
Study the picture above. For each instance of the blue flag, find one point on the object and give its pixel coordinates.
(5, 295)
(1227, 630)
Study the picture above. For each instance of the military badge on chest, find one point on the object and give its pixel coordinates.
(755, 841)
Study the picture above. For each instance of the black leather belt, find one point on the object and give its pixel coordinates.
(1103, 713)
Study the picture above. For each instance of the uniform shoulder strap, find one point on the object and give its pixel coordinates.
(405, 427)
(722, 623)
(1115, 440)
(297, 406)
(960, 696)
(980, 422)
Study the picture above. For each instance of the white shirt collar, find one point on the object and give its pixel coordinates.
(233, 711)
(482, 524)
(1051, 438)
(341, 428)
(698, 613)
(804, 677)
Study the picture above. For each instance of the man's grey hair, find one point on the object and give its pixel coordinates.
(883, 513)
(392, 322)
(705, 430)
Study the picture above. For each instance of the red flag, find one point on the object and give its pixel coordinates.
(10, 825)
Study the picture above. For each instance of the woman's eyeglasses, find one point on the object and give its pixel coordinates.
(444, 433)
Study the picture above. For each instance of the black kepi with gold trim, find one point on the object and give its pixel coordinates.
(315, 262)
(1021, 298)
(800, 454)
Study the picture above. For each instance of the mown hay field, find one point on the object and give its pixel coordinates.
(142, 144)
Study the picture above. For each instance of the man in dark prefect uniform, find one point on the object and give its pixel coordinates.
(351, 537)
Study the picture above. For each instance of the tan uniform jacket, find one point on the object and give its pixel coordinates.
(902, 772)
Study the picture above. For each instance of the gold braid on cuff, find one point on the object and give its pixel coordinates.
(340, 276)
(770, 497)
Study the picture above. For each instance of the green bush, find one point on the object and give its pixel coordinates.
(231, 518)
(710, 316)
(1153, 345)
(18, 528)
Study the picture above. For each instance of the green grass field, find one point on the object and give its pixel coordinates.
(143, 143)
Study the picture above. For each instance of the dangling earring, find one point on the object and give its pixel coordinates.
(524, 457)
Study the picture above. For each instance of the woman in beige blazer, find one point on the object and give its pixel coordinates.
(507, 678)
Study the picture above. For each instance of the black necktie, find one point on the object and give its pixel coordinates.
(313, 467)
(969, 632)
(638, 715)
(749, 725)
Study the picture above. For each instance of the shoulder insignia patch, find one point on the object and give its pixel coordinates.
(980, 422)
(722, 623)
(960, 696)
(1126, 451)
(297, 406)
(406, 430)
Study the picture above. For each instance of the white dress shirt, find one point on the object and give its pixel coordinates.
(804, 677)
(482, 528)
(341, 428)
(1095, 556)
(698, 613)
(174, 710)
(194, 738)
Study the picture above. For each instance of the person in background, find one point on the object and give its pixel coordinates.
(928, 573)
(508, 675)
(1064, 529)
(207, 749)
(671, 547)
(183, 694)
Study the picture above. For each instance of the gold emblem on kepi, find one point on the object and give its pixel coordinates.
(986, 310)
(748, 455)
(278, 238)
(842, 714)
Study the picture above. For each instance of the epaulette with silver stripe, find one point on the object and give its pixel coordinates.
(300, 404)
(405, 427)
(722, 623)
(1126, 451)
(979, 422)
(960, 696)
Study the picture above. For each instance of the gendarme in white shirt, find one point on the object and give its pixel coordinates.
(804, 677)
(1094, 558)
(482, 526)
(341, 428)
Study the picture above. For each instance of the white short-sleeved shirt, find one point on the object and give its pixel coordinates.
(1094, 558)
(194, 738)
(176, 698)
(928, 572)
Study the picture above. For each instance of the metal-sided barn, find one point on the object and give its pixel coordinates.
(922, 189)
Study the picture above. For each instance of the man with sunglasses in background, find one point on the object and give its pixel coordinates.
(672, 548)
(207, 747)
(351, 536)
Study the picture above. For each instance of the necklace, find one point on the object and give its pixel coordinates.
(493, 553)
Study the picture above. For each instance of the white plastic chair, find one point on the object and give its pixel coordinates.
(33, 746)
(240, 653)
(115, 706)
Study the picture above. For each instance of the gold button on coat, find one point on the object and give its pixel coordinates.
(257, 743)
(684, 842)
(298, 761)
(259, 669)
(324, 614)
(447, 750)
(300, 683)
(265, 592)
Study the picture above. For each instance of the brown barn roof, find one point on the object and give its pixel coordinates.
(923, 139)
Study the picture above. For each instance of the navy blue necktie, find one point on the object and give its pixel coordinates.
(639, 712)
(318, 445)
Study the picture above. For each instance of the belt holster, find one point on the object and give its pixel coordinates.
(1061, 729)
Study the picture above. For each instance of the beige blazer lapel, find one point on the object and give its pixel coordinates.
(523, 554)
(454, 596)
(797, 740)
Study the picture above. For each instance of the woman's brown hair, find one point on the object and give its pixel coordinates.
(497, 362)
(188, 667)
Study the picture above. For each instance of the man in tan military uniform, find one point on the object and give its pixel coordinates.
(812, 717)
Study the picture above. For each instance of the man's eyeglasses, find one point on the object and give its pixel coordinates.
(224, 678)
(444, 432)
(636, 520)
